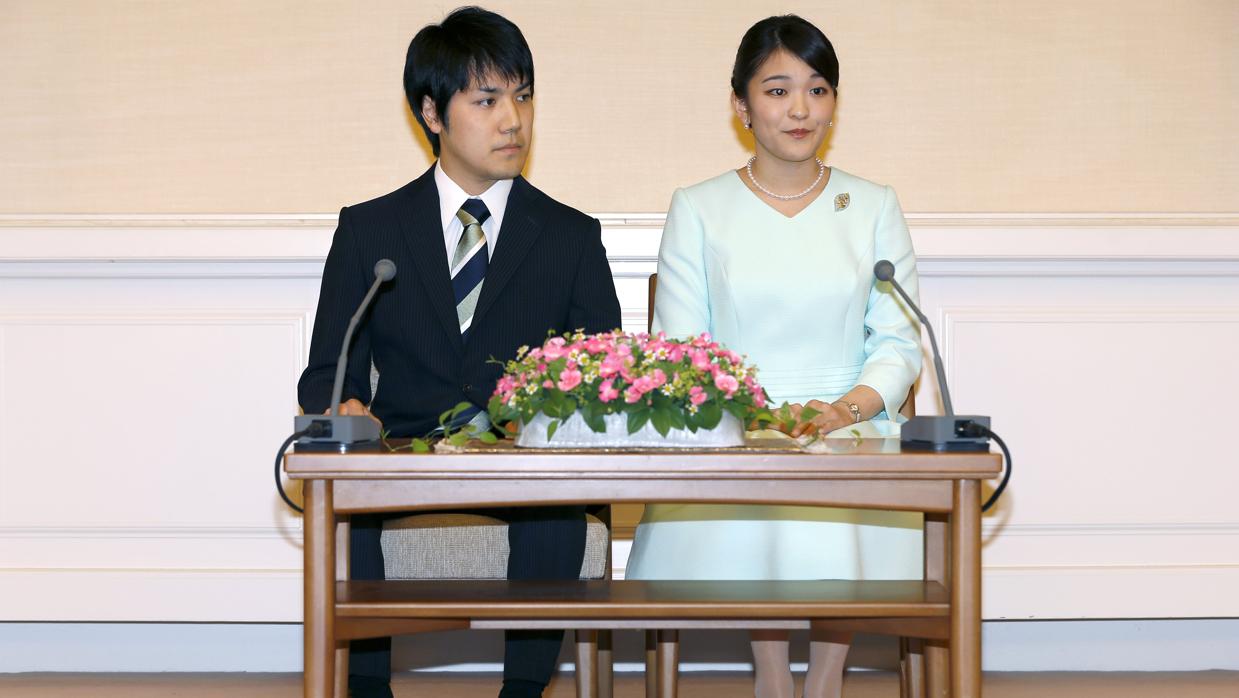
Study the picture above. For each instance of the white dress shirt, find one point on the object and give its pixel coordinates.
(452, 197)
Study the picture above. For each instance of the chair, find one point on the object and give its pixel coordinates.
(472, 546)
(662, 646)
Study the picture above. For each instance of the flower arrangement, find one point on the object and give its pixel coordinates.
(671, 384)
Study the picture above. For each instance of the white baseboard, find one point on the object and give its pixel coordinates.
(1122, 645)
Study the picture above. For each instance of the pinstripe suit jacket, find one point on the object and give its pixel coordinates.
(549, 271)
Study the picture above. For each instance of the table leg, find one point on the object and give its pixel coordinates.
(606, 662)
(651, 663)
(668, 662)
(342, 574)
(586, 663)
(966, 590)
(937, 669)
(320, 590)
(912, 668)
(937, 569)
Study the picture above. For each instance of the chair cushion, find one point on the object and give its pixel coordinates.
(468, 546)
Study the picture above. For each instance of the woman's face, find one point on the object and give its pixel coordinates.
(789, 106)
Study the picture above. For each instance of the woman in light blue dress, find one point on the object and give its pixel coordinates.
(775, 259)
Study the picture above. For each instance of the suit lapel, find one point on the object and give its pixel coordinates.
(522, 223)
(423, 232)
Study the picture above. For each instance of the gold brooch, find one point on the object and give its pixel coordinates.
(842, 201)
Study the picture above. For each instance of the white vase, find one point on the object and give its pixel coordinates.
(575, 433)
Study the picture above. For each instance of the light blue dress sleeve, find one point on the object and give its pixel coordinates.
(681, 301)
(892, 341)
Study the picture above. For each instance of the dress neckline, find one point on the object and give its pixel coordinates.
(830, 180)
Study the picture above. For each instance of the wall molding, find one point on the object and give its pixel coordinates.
(140, 532)
(941, 239)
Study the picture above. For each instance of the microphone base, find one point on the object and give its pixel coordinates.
(337, 434)
(943, 433)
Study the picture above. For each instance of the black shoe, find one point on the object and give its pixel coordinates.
(516, 688)
(368, 687)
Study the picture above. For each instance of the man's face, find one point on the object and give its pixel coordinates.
(489, 127)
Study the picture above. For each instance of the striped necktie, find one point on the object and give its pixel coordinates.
(469, 263)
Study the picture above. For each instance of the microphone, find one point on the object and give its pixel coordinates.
(950, 432)
(334, 431)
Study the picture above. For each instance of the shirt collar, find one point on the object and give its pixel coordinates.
(452, 197)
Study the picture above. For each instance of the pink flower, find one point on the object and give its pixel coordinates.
(644, 384)
(660, 378)
(632, 395)
(607, 391)
(554, 348)
(548, 384)
(595, 345)
(626, 369)
(569, 378)
(759, 399)
(697, 395)
(701, 360)
(726, 383)
(676, 353)
(610, 365)
(506, 385)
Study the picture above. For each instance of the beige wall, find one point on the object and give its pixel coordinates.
(281, 106)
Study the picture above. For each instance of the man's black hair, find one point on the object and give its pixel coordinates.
(469, 45)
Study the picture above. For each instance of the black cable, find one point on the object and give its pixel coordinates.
(279, 457)
(974, 429)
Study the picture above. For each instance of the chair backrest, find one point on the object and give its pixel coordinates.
(908, 409)
(649, 311)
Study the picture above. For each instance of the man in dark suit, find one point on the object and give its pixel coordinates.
(487, 263)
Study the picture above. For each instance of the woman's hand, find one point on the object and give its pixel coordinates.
(828, 418)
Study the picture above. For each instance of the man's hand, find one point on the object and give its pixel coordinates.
(354, 408)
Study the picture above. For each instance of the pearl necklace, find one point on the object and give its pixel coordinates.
(821, 171)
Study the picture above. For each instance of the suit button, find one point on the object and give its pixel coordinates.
(467, 387)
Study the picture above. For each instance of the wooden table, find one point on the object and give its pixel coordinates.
(944, 608)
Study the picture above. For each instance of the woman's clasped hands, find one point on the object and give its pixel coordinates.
(814, 417)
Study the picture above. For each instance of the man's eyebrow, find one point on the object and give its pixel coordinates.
(491, 89)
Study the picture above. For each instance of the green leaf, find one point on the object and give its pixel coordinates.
(808, 413)
(637, 419)
(460, 438)
(419, 446)
(709, 415)
(690, 422)
(451, 414)
(488, 438)
(551, 428)
(592, 413)
(662, 420)
(677, 415)
(735, 408)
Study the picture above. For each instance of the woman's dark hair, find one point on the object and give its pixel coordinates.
(470, 44)
(792, 34)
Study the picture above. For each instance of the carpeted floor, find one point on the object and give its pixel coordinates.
(1214, 684)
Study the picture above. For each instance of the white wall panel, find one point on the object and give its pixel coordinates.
(148, 368)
